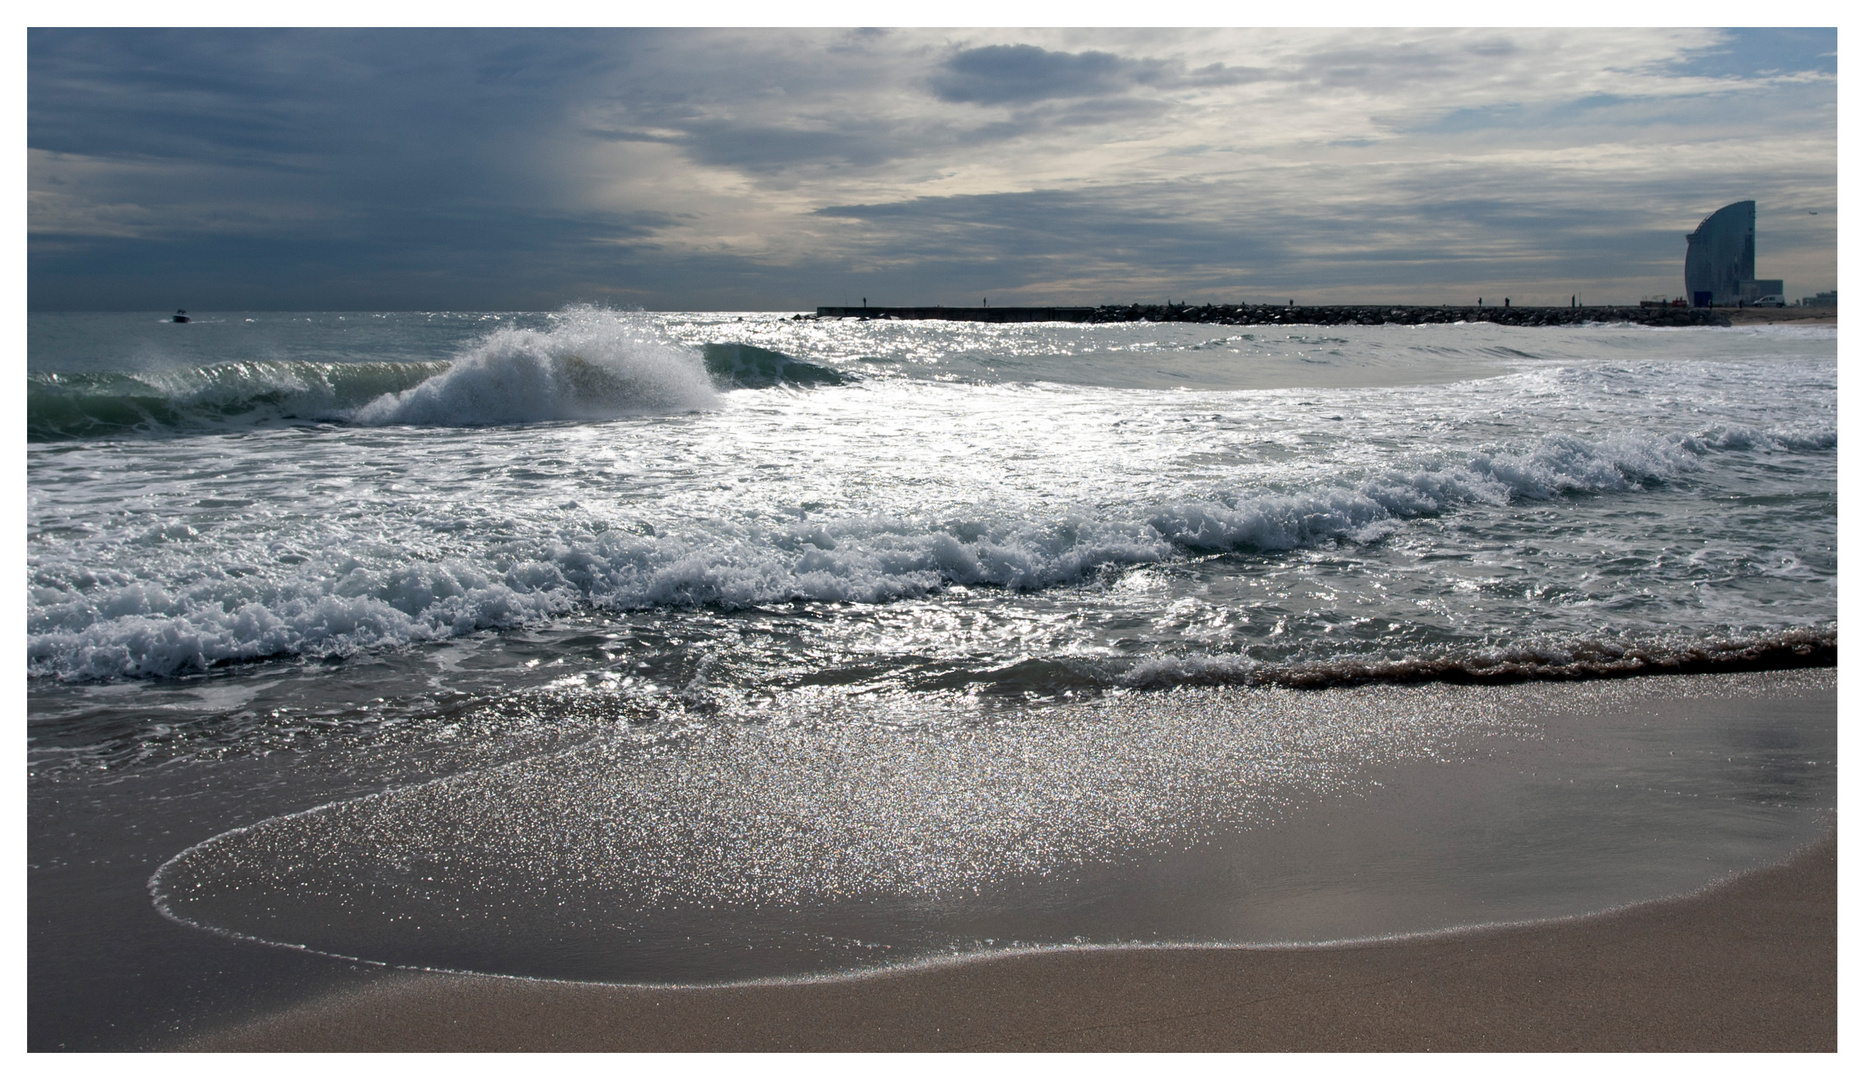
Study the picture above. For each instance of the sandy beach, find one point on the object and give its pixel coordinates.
(1712, 790)
(1748, 965)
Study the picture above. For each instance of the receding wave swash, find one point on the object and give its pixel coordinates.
(588, 365)
(339, 598)
(1527, 661)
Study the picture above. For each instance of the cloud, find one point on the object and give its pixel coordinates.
(1021, 74)
(765, 149)
(773, 167)
(996, 74)
(1433, 231)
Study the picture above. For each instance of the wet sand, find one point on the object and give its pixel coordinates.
(1748, 965)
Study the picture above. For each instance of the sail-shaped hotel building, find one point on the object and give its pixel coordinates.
(1719, 264)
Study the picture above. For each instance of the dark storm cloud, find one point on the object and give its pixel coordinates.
(323, 142)
(269, 96)
(472, 257)
(256, 163)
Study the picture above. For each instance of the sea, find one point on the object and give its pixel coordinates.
(680, 648)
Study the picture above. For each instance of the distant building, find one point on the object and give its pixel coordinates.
(1721, 256)
(1719, 264)
(1825, 299)
(1758, 288)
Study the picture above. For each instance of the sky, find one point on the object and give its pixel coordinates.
(780, 169)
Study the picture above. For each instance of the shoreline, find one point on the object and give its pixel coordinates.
(1746, 964)
(1383, 875)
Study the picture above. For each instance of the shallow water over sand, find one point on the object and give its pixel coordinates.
(809, 844)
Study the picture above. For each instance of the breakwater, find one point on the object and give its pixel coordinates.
(1296, 314)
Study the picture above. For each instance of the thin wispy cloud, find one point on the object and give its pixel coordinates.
(778, 169)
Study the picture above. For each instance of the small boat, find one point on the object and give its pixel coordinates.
(181, 315)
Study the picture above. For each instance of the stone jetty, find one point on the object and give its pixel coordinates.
(1296, 314)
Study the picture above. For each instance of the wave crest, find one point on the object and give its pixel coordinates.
(590, 365)
(109, 404)
(747, 366)
(87, 623)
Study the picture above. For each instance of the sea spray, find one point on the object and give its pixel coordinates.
(592, 364)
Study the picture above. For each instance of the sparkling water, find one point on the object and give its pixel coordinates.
(1029, 509)
(642, 615)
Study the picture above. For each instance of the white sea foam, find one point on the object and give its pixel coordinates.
(1745, 437)
(173, 613)
(592, 364)
(1675, 479)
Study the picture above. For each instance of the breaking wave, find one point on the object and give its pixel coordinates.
(112, 404)
(342, 595)
(588, 365)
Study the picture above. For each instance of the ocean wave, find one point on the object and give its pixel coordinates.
(243, 394)
(1744, 437)
(175, 613)
(589, 364)
(746, 366)
(1558, 465)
